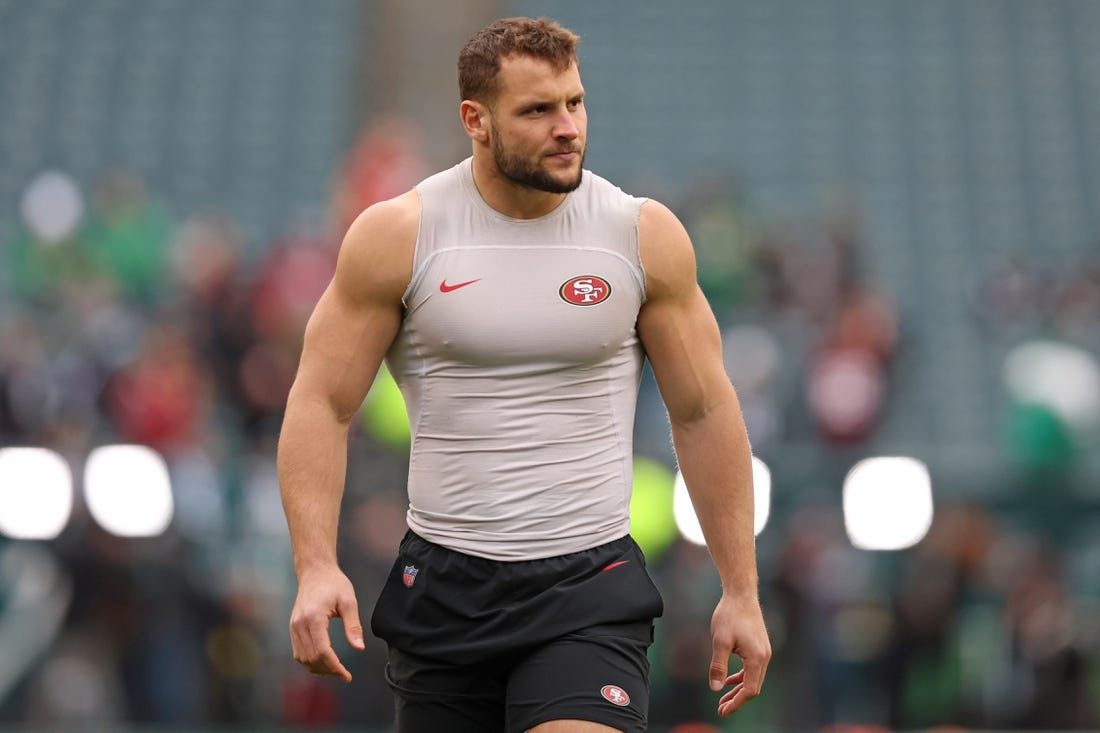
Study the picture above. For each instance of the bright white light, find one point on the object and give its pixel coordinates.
(887, 503)
(36, 493)
(128, 490)
(1060, 376)
(762, 494)
(52, 207)
(684, 512)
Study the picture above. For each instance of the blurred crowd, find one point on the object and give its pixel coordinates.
(124, 321)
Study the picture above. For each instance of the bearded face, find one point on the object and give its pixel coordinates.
(540, 170)
(539, 125)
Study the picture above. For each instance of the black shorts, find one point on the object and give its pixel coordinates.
(482, 646)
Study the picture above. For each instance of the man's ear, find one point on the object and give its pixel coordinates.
(476, 119)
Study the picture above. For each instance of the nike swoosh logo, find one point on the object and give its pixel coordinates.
(614, 565)
(445, 288)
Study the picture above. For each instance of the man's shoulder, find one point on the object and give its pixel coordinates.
(658, 216)
(380, 242)
(665, 249)
(388, 219)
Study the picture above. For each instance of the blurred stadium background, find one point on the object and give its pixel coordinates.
(897, 211)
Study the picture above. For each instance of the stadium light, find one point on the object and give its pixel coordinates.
(36, 493)
(52, 207)
(688, 522)
(887, 503)
(128, 490)
(1064, 377)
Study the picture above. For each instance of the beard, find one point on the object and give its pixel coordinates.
(526, 173)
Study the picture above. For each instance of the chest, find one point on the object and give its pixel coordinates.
(531, 305)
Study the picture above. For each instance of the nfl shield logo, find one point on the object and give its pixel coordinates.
(409, 575)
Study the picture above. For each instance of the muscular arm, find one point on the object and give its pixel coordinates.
(683, 345)
(346, 338)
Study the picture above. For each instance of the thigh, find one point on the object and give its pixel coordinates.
(432, 696)
(599, 675)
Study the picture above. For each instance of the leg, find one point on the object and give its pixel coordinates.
(431, 696)
(591, 681)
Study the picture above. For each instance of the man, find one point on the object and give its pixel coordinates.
(514, 297)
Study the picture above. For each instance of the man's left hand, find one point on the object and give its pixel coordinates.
(737, 627)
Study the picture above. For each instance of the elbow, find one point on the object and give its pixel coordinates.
(319, 404)
(690, 413)
(687, 417)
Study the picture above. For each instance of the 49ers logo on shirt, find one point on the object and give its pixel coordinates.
(585, 290)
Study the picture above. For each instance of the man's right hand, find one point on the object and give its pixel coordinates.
(323, 593)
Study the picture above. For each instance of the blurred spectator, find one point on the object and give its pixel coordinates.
(727, 234)
(1047, 664)
(386, 161)
(47, 252)
(850, 368)
(922, 667)
(848, 375)
(1076, 307)
(753, 356)
(128, 235)
(287, 284)
(160, 399)
(208, 268)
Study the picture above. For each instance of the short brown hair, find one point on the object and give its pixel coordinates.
(479, 60)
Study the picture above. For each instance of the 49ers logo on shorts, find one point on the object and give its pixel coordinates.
(585, 290)
(615, 694)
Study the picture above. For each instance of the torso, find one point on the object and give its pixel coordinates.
(519, 362)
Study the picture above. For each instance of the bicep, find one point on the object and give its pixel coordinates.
(359, 314)
(345, 342)
(683, 345)
(676, 325)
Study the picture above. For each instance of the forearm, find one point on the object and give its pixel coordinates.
(312, 461)
(716, 462)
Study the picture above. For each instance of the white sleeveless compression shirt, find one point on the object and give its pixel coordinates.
(519, 363)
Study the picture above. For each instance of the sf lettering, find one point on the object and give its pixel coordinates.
(587, 291)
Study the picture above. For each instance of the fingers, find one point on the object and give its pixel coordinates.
(735, 678)
(756, 666)
(301, 640)
(326, 662)
(719, 662)
(321, 660)
(736, 631)
(322, 595)
(348, 609)
(732, 701)
(330, 664)
(312, 647)
(747, 684)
